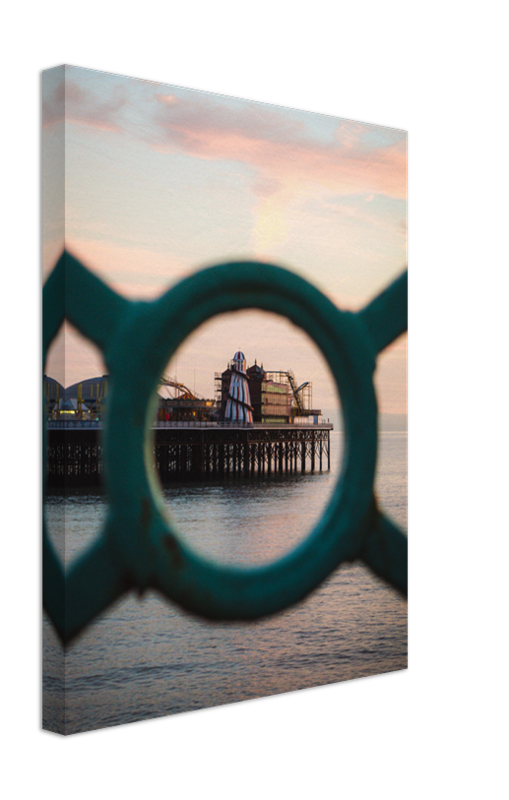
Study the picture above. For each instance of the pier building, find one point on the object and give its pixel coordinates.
(274, 395)
(83, 400)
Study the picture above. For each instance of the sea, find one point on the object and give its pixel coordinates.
(145, 658)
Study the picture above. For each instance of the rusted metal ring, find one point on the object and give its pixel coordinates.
(138, 546)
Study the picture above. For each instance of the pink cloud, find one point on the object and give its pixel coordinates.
(84, 107)
(275, 144)
(280, 147)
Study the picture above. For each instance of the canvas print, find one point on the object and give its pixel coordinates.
(224, 399)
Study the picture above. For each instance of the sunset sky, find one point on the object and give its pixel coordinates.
(161, 180)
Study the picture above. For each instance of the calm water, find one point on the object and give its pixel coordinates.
(145, 658)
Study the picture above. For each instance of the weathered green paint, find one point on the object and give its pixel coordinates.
(138, 547)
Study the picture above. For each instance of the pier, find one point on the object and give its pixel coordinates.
(260, 423)
(193, 451)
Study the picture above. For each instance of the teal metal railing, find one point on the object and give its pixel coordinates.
(138, 547)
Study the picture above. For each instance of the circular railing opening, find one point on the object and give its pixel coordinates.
(75, 391)
(243, 443)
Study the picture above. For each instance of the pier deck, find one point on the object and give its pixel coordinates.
(193, 451)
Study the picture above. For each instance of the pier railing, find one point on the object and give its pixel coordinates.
(138, 547)
(92, 424)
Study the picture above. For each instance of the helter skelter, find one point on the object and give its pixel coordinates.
(238, 406)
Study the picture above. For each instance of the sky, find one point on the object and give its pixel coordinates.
(161, 181)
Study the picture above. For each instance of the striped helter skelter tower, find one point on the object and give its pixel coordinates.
(238, 406)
